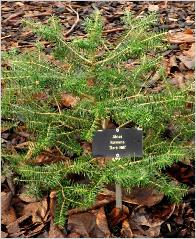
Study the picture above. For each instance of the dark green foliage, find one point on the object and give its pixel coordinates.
(114, 93)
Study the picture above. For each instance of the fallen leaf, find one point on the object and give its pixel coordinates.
(25, 197)
(188, 31)
(82, 223)
(19, 4)
(90, 82)
(37, 230)
(181, 37)
(45, 234)
(189, 75)
(102, 224)
(4, 234)
(117, 215)
(166, 64)
(89, 224)
(151, 232)
(188, 58)
(187, 61)
(190, 52)
(54, 231)
(68, 100)
(126, 231)
(137, 195)
(8, 217)
(178, 80)
(151, 217)
(143, 196)
(147, 222)
(87, 147)
(38, 210)
(182, 173)
(36, 214)
(50, 156)
(13, 228)
(173, 63)
(73, 235)
(182, 66)
(6, 198)
(153, 8)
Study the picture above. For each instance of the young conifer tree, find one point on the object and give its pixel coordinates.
(89, 74)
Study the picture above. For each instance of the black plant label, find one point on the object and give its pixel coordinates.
(117, 143)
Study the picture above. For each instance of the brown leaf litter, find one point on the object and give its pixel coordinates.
(146, 222)
(89, 224)
(187, 36)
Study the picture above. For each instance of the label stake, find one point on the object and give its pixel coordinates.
(118, 188)
(118, 196)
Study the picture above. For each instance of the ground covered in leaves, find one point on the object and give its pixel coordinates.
(145, 213)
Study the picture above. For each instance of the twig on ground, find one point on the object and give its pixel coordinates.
(5, 37)
(97, 205)
(39, 14)
(114, 30)
(17, 14)
(75, 23)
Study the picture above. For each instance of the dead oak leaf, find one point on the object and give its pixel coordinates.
(6, 198)
(38, 210)
(47, 157)
(187, 61)
(137, 195)
(14, 229)
(143, 196)
(149, 218)
(102, 224)
(188, 58)
(54, 231)
(173, 64)
(8, 217)
(37, 230)
(189, 75)
(68, 100)
(178, 80)
(25, 197)
(190, 52)
(4, 234)
(126, 231)
(82, 223)
(117, 215)
(89, 224)
(181, 37)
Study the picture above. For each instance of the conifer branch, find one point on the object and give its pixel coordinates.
(75, 52)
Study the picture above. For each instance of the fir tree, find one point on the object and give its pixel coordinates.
(92, 71)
